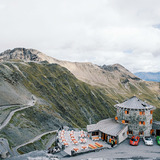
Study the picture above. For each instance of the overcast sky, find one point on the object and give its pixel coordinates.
(97, 31)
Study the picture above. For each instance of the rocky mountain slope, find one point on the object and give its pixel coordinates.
(149, 76)
(61, 99)
(118, 82)
(87, 72)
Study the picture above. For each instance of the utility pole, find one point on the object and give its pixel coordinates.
(90, 120)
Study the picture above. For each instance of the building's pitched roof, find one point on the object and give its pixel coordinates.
(108, 126)
(92, 127)
(134, 103)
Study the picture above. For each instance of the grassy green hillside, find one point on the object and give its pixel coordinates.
(62, 100)
(66, 94)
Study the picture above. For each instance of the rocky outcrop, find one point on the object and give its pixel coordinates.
(20, 53)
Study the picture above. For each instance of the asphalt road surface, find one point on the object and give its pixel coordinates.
(31, 141)
(6, 121)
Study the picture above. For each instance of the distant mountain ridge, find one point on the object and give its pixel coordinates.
(118, 82)
(87, 72)
(149, 76)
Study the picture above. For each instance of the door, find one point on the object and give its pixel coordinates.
(102, 136)
(106, 137)
(158, 132)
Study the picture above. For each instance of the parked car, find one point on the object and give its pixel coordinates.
(134, 140)
(148, 141)
(158, 140)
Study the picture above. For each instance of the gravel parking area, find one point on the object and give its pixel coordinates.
(123, 150)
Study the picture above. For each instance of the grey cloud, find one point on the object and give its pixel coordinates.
(156, 53)
(103, 32)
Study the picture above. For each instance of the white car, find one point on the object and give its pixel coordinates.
(148, 141)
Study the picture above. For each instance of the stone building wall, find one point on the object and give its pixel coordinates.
(133, 119)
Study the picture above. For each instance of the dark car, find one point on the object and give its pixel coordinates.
(134, 140)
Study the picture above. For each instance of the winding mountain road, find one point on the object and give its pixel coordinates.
(6, 121)
(31, 141)
(4, 142)
(10, 106)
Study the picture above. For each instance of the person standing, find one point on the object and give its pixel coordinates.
(112, 143)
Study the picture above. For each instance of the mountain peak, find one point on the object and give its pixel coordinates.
(20, 53)
(85, 71)
(114, 67)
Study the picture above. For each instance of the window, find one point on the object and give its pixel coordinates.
(116, 118)
(141, 122)
(95, 133)
(113, 137)
(141, 112)
(151, 112)
(141, 133)
(123, 121)
(151, 121)
(152, 131)
(126, 121)
(130, 132)
(126, 112)
(123, 134)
